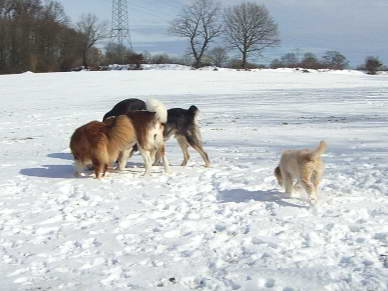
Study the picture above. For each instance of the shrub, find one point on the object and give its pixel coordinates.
(372, 65)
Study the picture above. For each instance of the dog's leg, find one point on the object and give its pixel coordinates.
(132, 151)
(158, 157)
(287, 181)
(123, 158)
(147, 161)
(316, 180)
(203, 154)
(288, 185)
(162, 151)
(308, 185)
(183, 143)
(98, 168)
(104, 174)
(195, 140)
(197, 145)
(153, 154)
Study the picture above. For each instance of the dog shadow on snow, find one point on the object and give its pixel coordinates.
(50, 171)
(63, 156)
(66, 171)
(242, 195)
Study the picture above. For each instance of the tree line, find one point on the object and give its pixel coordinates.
(36, 35)
(332, 60)
(247, 29)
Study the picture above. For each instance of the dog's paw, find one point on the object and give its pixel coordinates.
(78, 174)
(313, 201)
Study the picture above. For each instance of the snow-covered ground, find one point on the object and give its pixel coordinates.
(229, 227)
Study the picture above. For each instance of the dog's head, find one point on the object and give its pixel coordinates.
(278, 176)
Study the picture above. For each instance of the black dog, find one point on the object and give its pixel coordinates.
(180, 122)
(126, 106)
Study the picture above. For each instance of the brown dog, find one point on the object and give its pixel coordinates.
(101, 143)
(303, 167)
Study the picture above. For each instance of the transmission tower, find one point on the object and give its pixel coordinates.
(120, 32)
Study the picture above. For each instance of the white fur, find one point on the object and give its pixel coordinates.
(197, 117)
(78, 168)
(154, 105)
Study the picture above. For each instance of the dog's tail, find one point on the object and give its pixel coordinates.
(193, 110)
(154, 105)
(193, 135)
(316, 153)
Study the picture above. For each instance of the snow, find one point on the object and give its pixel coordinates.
(228, 227)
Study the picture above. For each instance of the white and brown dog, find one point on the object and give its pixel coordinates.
(301, 167)
(102, 143)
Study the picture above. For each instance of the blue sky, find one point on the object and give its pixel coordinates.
(356, 28)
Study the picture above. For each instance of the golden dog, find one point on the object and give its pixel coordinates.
(303, 167)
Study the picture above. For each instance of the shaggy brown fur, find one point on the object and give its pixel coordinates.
(303, 167)
(100, 143)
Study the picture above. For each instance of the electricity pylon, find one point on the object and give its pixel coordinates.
(120, 32)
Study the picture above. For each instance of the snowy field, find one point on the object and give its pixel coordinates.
(228, 227)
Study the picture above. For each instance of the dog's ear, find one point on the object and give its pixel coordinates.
(277, 172)
(110, 121)
(193, 109)
(278, 175)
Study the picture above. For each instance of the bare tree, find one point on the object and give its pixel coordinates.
(218, 56)
(249, 29)
(199, 22)
(92, 31)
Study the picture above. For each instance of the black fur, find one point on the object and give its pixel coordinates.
(126, 106)
(180, 120)
(180, 123)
